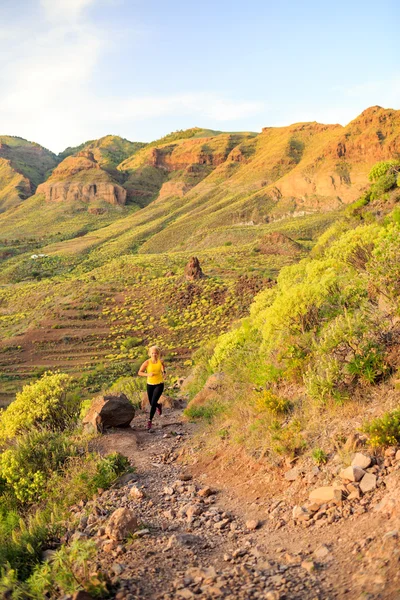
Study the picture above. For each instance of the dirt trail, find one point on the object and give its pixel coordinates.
(198, 544)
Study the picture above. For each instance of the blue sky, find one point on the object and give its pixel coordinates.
(72, 70)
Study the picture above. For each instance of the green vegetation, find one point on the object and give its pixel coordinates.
(46, 467)
(318, 333)
(319, 456)
(384, 431)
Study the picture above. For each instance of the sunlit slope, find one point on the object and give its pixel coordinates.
(203, 185)
(109, 151)
(174, 165)
(23, 166)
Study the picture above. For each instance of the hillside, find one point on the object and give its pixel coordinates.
(241, 202)
(23, 166)
(276, 306)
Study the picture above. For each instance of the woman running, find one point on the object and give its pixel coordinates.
(154, 369)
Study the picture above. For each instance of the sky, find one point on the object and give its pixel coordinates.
(74, 70)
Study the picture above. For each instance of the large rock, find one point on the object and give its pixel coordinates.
(352, 474)
(121, 523)
(111, 410)
(361, 460)
(193, 269)
(326, 494)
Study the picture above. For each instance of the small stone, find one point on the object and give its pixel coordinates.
(322, 552)
(391, 451)
(300, 513)
(205, 492)
(183, 540)
(136, 493)
(117, 569)
(121, 523)
(185, 593)
(368, 483)
(355, 495)
(272, 595)
(308, 565)
(142, 532)
(193, 511)
(185, 477)
(292, 475)
(253, 524)
(361, 460)
(325, 494)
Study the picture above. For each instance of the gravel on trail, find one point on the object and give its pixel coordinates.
(185, 544)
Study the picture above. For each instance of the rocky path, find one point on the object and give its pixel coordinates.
(191, 543)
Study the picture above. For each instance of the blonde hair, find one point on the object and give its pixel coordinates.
(156, 348)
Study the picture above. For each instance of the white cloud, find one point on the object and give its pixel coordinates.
(57, 10)
(47, 78)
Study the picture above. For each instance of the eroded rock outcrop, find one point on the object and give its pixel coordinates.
(80, 178)
(193, 269)
(70, 191)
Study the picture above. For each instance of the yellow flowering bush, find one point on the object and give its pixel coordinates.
(46, 402)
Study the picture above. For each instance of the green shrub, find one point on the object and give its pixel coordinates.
(383, 185)
(69, 571)
(132, 387)
(273, 403)
(384, 266)
(109, 468)
(46, 402)
(382, 168)
(130, 342)
(384, 431)
(206, 412)
(319, 456)
(287, 438)
(26, 466)
(348, 352)
(21, 546)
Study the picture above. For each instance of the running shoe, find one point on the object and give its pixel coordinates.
(159, 409)
(149, 424)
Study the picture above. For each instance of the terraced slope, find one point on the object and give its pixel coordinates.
(245, 204)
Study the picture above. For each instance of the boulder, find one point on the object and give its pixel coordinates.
(352, 474)
(110, 410)
(121, 523)
(193, 269)
(326, 494)
(361, 460)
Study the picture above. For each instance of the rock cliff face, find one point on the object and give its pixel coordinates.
(70, 191)
(80, 178)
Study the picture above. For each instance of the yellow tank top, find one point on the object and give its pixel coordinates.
(154, 372)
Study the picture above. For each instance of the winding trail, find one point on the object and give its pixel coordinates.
(201, 542)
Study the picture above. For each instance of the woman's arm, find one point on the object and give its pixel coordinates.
(164, 368)
(143, 368)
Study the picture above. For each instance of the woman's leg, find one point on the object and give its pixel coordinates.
(150, 392)
(156, 395)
